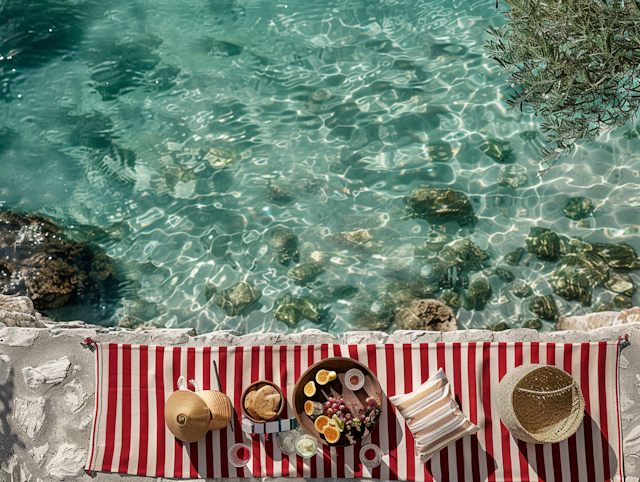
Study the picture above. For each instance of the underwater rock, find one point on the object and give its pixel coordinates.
(434, 242)
(119, 67)
(440, 205)
(505, 275)
(162, 78)
(621, 302)
(278, 194)
(284, 244)
(575, 246)
(464, 255)
(41, 263)
(620, 283)
(338, 292)
(478, 294)
(528, 135)
(577, 208)
(513, 258)
(632, 134)
(376, 314)
(577, 275)
(544, 243)
(360, 239)
(521, 289)
(220, 48)
(305, 272)
(621, 255)
(430, 315)
(533, 324)
(451, 299)
(500, 326)
(544, 307)
(439, 151)
(7, 136)
(93, 130)
(239, 299)
(512, 176)
(290, 310)
(497, 149)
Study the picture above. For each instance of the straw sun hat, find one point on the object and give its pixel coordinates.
(540, 404)
(190, 415)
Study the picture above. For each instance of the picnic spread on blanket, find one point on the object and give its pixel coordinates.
(524, 411)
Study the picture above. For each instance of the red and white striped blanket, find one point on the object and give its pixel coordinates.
(133, 382)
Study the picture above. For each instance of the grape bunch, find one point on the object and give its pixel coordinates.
(336, 406)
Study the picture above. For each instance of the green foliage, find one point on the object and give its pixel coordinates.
(575, 62)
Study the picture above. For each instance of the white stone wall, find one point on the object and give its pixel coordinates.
(47, 385)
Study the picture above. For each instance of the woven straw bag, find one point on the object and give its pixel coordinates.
(540, 404)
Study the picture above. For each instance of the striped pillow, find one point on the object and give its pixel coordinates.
(433, 416)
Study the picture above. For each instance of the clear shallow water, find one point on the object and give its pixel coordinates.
(184, 84)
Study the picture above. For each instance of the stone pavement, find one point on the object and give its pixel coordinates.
(47, 385)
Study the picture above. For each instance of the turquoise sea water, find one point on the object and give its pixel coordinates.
(165, 121)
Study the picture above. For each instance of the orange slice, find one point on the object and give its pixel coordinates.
(310, 389)
(331, 434)
(321, 423)
(325, 376)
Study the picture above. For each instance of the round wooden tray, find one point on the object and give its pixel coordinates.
(339, 365)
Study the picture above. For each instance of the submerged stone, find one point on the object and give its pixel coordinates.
(94, 130)
(376, 314)
(544, 243)
(305, 272)
(439, 151)
(478, 294)
(292, 309)
(512, 176)
(528, 135)
(533, 324)
(578, 208)
(434, 242)
(513, 258)
(284, 244)
(239, 299)
(430, 315)
(339, 292)
(440, 205)
(632, 134)
(500, 326)
(622, 302)
(360, 239)
(620, 283)
(505, 275)
(544, 307)
(521, 289)
(621, 255)
(497, 149)
(278, 194)
(577, 275)
(451, 299)
(463, 254)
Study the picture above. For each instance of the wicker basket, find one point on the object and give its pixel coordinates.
(540, 404)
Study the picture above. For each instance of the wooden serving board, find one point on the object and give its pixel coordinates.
(354, 400)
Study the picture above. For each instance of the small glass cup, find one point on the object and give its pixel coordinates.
(239, 455)
(306, 445)
(287, 442)
(370, 455)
